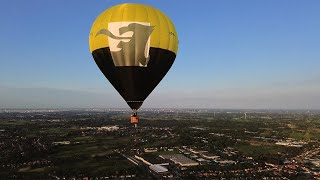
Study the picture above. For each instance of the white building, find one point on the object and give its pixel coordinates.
(158, 169)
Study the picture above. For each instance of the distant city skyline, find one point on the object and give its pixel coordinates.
(232, 54)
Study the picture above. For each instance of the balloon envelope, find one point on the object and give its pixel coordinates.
(134, 46)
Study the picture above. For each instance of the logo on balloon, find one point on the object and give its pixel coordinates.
(129, 42)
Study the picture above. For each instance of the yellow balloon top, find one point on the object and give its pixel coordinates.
(163, 33)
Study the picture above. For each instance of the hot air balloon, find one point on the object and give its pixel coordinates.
(134, 46)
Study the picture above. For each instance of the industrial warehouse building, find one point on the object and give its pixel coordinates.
(180, 159)
(158, 169)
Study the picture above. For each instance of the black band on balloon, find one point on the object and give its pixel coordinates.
(135, 83)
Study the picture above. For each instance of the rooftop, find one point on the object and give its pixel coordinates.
(158, 168)
(180, 159)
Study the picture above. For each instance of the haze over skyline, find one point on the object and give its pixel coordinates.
(232, 54)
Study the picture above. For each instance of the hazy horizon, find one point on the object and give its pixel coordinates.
(55, 98)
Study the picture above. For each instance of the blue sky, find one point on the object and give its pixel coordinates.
(232, 54)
